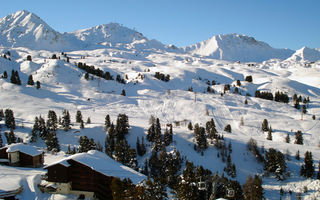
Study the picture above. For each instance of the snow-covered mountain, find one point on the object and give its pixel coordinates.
(25, 29)
(115, 35)
(306, 54)
(234, 47)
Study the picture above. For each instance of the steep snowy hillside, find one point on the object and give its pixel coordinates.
(115, 35)
(25, 29)
(234, 47)
(306, 54)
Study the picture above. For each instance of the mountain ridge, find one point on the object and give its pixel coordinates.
(235, 47)
(26, 29)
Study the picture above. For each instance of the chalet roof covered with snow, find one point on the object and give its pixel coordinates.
(27, 149)
(102, 163)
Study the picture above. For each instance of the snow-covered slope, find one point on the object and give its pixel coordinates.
(306, 54)
(25, 29)
(234, 47)
(63, 86)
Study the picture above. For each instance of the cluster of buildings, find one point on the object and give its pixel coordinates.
(88, 175)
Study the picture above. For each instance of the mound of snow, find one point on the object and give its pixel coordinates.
(306, 54)
(28, 67)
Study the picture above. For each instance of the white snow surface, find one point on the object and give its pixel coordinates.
(102, 163)
(24, 148)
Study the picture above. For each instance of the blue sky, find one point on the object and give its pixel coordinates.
(281, 23)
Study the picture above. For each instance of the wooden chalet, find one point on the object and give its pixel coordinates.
(88, 174)
(22, 155)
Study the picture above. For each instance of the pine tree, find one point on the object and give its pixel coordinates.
(304, 109)
(155, 190)
(5, 75)
(252, 188)
(151, 133)
(35, 129)
(287, 139)
(138, 147)
(29, 58)
(200, 136)
(297, 156)
(296, 102)
(123, 93)
(78, 116)
(43, 131)
(66, 120)
(246, 102)
(145, 170)
(318, 174)
(107, 122)
(34, 136)
(228, 128)
(86, 76)
(18, 81)
(190, 127)
(69, 151)
(211, 129)
(248, 79)
(11, 138)
(143, 147)
(238, 83)
(84, 144)
(88, 120)
(1, 141)
(38, 85)
(188, 190)
(122, 127)
(264, 126)
(81, 125)
(30, 80)
(109, 146)
(275, 163)
(52, 142)
(54, 56)
(124, 154)
(9, 119)
(307, 169)
(168, 134)
(92, 144)
(298, 137)
(52, 121)
(1, 114)
(13, 78)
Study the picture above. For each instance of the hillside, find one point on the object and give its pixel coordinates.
(64, 87)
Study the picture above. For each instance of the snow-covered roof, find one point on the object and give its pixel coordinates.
(102, 163)
(30, 150)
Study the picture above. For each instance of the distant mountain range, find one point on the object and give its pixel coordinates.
(25, 29)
